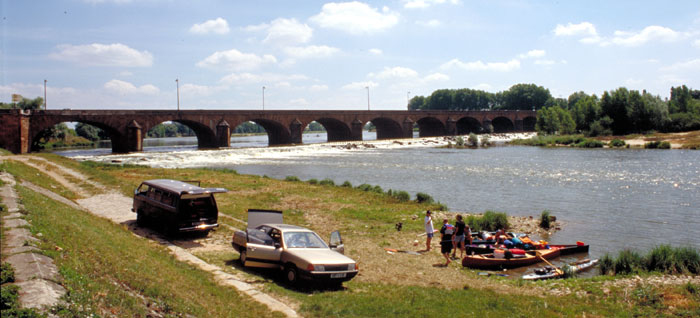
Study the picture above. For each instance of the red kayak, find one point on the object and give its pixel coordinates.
(492, 261)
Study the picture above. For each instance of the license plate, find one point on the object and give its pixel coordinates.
(338, 275)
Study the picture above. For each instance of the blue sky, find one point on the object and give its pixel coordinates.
(126, 54)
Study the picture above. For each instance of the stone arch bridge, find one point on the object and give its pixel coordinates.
(127, 128)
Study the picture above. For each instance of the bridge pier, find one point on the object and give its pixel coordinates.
(296, 131)
(488, 127)
(451, 126)
(518, 125)
(134, 139)
(14, 131)
(407, 128)
(223, 134)
(356, 130)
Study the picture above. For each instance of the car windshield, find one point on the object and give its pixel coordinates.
(303, 240)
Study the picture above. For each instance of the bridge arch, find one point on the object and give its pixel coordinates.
(206, 138)
(431, 127)
(43, 129)
(502, 125)
(277, 133)
(467, 125)
(387, 128)
(336, 129)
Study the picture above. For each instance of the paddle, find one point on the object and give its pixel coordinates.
(556, 269)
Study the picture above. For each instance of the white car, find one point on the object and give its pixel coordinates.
(298, 251)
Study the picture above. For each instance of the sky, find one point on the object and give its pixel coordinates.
(316, 55)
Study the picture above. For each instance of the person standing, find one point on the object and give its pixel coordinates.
(446, 243)
(459, 237)
(429, 229)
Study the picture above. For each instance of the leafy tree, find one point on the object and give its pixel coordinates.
(525, 97)
(585, 112)
(315, 126)
(574, 98)
(552, 120)
(440, 99)
(416, 103)
(25, 103)
(90, 132)
(616, 105)
(249, 127)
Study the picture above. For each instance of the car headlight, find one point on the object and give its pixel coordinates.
(319, 268)
(351, 267)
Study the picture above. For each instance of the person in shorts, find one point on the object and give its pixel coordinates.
(429, 230)
(459, 237)
(446, 243)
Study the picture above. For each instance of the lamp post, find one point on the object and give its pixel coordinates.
(44, 94)
(408, 100)
(263, 95)
(367, 87)
(177, 84)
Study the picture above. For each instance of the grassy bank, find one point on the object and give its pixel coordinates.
(119, 274)
(684, 140)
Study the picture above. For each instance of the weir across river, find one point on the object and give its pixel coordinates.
(127, 128)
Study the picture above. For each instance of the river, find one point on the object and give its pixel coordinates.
(611, 199)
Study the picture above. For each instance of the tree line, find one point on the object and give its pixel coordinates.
(620, 111)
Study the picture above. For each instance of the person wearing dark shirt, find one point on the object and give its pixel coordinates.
(446, 243)
(459, 237)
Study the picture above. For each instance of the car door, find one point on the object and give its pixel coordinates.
(261, 248)
(336, 242)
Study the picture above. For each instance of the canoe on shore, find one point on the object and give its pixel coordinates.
(566, 249)
(490, 261)
(549, 272)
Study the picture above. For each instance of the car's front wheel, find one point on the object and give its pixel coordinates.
(244, 256)
(291, 274)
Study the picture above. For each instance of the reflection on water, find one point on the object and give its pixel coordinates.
(611, 199)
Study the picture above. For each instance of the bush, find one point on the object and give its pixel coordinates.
(606, 264)
(489, 221)
(615, 143)
(377, 189)
(423, 198)
(628, 262)
(364, 187)
(590, 143)
(485, 141)
(327, 182)
(544, 220)
(657, 145)
(459, 142)
(312, 181)
(292, 178)
(688, 259)
(473, 140)
(346, 184)
(9, 297)
(402, 196)
(7, 273)
(661, 258)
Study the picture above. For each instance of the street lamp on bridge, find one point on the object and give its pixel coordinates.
(177, 84)
(44, 94)
(263, 95)
(408, 100)
(367, 87)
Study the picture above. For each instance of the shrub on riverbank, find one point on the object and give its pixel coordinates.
(402, 196)
(327, 182)
(423, 198)
(663, 258)
(616, 143)
(657, 145)
(489, 221)
(292, 178)
(545, 220)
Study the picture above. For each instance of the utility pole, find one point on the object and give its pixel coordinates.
(367, 87)
(263, 95)
(177, 83)
(44, 94)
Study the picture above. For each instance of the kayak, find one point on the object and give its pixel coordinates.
(549, 272)
(491, 261)
(566, 249)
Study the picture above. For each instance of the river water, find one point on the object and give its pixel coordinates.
(611, 199)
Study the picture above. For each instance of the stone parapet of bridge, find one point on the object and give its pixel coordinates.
(19, 130)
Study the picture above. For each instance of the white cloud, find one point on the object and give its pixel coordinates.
(199, 90)
(125, 74)
(318, 88)
(696, 43)
(430, 23)
(437, 77)
(394, 72)
(648, 34)
(533, 53)
(545, 62)
(126, 88)
(311, 51)
(360, 85)
(96, 54)
(298, 102)
(236, 60)
(248, 78)
(283, 32)
(691, 65)
(570, 29)
(422, 4)
(376, 51)
(218, 26)
(481, 66)
(355, 17)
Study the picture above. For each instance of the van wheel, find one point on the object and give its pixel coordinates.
(244, 256)
(140, 219)
(291, 274)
